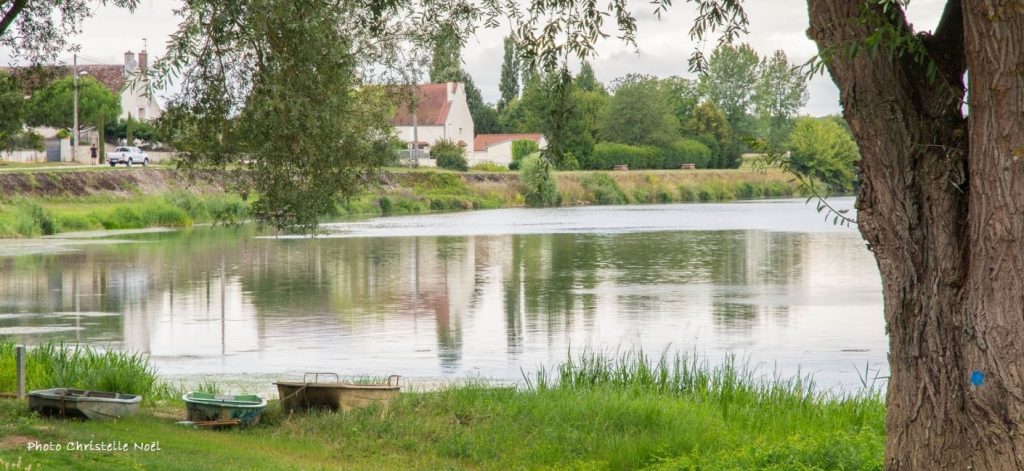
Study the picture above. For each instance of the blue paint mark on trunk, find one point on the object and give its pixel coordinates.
(977, 378)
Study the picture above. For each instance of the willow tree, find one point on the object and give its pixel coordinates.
(939, 200)
(940, 204)
(291, 90)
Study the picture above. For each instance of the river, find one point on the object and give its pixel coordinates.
(486, 294)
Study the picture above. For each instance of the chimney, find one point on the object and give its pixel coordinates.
(129, 62)
(143, 61)
(453, 88)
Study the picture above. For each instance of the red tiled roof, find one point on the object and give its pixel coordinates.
(31, 79)
(483, 141)
(431, 108)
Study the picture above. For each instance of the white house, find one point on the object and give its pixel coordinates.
(127, 80)
(441, 112)
(134, 100)
(497, 148)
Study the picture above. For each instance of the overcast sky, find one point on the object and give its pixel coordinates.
(664, 45)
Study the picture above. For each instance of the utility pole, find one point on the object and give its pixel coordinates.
(74, 73)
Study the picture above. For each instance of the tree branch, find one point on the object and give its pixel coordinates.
(946, 44)
(11, 14)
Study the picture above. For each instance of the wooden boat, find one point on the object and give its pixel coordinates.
(78, 403)
(203, 407)
(334, 395)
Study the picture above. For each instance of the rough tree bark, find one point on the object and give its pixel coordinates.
(945, 221)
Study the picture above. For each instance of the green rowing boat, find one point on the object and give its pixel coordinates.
(203, 407)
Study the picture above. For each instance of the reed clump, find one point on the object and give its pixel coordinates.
(55, 365)
(32, 217)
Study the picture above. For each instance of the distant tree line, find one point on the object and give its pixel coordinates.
(649, 122)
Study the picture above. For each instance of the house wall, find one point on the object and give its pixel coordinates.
(429, 134)
(460, 122)
(478, 157)
(500, 153)
(23, 156)
(133, 100)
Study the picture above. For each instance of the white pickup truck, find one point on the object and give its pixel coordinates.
(127, 155)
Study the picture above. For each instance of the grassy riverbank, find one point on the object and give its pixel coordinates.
(594, 412)
(54, 202)
(32, 217)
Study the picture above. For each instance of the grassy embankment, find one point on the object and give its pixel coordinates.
(437, 190)
(38, 204)
(595, 412)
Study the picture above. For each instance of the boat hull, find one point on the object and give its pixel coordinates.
(77, 403)
(333, 396)
(209, 407)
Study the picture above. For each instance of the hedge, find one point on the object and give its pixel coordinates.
(609, 154)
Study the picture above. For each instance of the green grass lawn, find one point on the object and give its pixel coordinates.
(476, 428)
(597, 412)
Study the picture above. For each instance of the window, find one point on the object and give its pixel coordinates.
(142, 113)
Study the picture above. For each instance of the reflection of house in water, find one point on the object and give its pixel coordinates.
(206, 318)
(441, 284)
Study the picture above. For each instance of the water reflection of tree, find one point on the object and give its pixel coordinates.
(756, 270)
(553, 278)
(550, 283)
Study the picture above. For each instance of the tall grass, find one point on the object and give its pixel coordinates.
(626, 411)
(55, 365)
(594, 411)
(34, 217)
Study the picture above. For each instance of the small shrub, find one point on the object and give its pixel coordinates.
(228, 210)
(541, 187)
(410, 206)
(449, 155)
(688, 193)
(385, 205)
(522, 148)
(33, 220)
(605, 190)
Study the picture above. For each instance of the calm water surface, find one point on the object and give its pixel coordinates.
(484, 293)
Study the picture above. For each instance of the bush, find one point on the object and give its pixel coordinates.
(605, 190)
(229, 210)
(823, 150)
(522, 148)
(449, 155)
(27, 140)
(541, 187)
(32, 220)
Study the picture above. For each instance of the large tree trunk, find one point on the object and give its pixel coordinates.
(945, 221)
